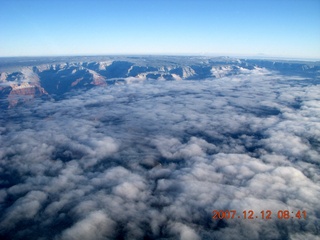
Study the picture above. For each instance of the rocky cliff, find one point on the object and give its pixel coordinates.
(55, 78)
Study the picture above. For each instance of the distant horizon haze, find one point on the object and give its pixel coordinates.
(244, 56)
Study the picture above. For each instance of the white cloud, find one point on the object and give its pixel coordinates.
(95, 226)
(154, 159)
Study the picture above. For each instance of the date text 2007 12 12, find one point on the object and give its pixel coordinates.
(264, 214)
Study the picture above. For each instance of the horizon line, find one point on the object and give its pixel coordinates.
(241, 56)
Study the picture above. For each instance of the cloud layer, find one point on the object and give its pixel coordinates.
(154, 159)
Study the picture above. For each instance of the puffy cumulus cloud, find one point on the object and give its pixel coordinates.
(153, 160)
(25, 207)
(185, 232)
(95, 226)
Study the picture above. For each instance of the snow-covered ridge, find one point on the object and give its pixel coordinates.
(21, 86)
(59, 77)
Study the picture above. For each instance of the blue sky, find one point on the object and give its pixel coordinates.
(275, 28)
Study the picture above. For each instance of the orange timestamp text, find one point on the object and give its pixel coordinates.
(264, 214)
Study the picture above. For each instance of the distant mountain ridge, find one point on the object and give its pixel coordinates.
(54, 77)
